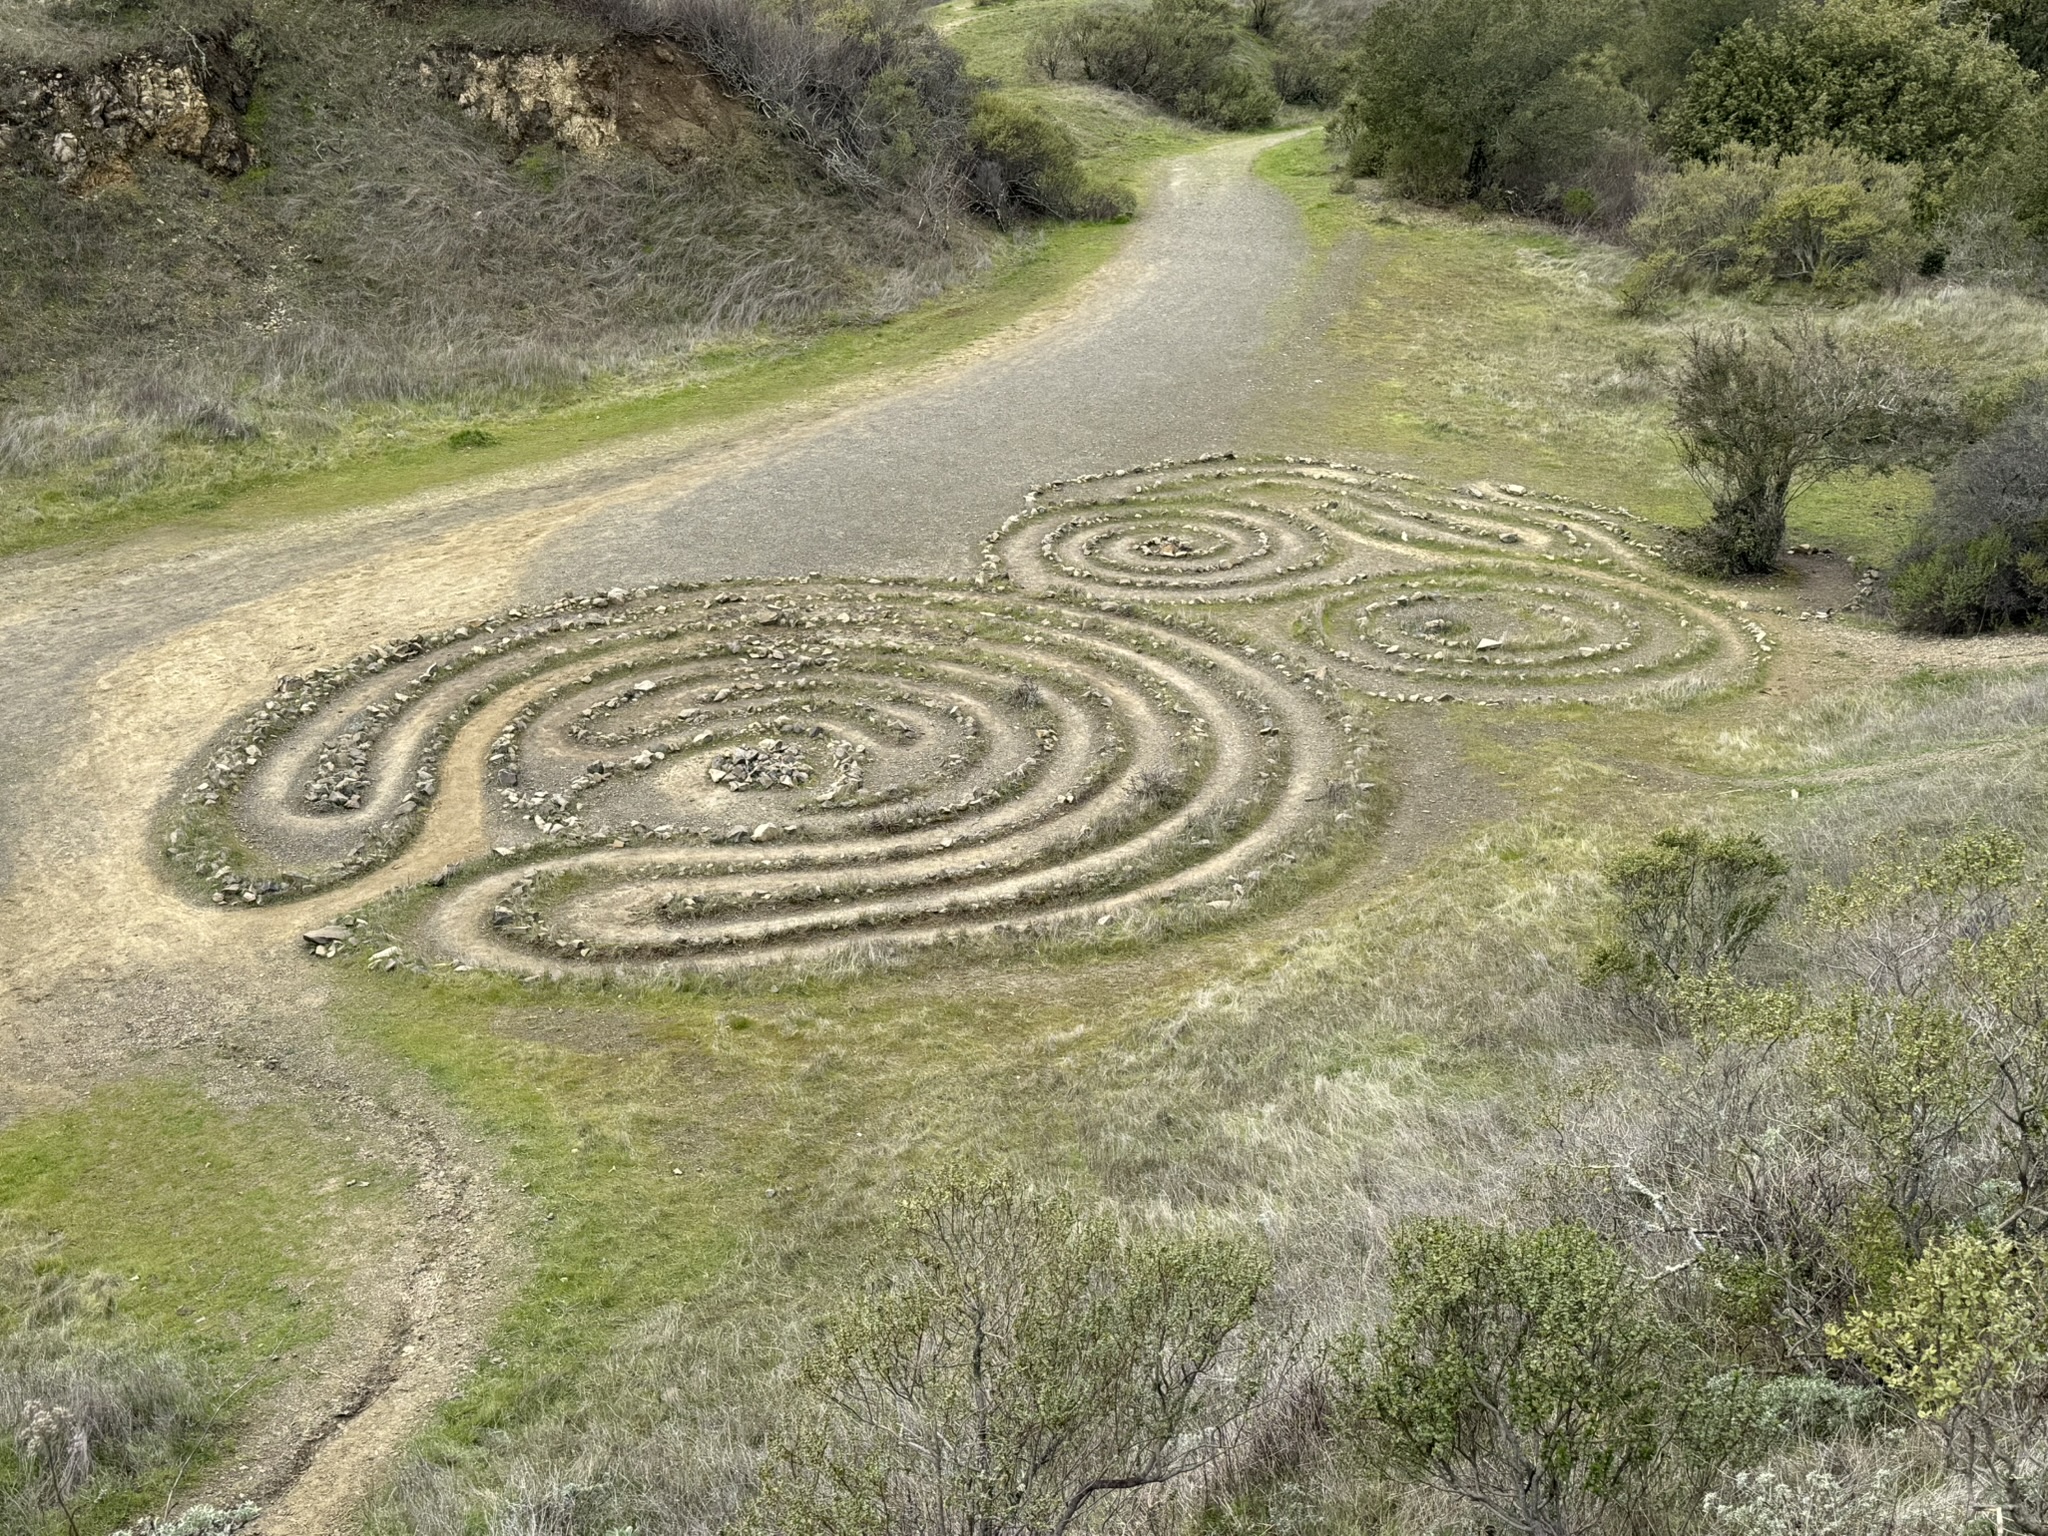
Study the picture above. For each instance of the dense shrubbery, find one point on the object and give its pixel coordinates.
(1186, 55)
(1025, 160)
(1526, 1372)
(1564, 107)
(1657, 50)
(1891, 80)
(1307, 70)
(1464, 98)
(2010, 186)
(1980, 561)
(1830, 219)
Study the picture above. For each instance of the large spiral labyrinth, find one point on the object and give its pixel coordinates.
(1135, 717)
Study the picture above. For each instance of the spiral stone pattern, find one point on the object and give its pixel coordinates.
(1483, 594)
(1145, 706)
(690, 779)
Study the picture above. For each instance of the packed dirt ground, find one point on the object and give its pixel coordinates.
(1394, 743)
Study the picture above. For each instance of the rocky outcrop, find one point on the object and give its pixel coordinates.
(88, 127)
(641, 92)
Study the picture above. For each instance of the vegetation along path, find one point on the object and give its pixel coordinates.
(974, 678)
(126, 660)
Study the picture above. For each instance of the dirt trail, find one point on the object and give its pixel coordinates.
(123, 662)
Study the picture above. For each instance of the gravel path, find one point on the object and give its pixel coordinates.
(124, 661)
(1164, 365)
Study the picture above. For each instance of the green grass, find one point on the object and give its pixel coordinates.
(995, 39)
(388, 455)
(229, 1232)
(224, 1224)
(1472, 347)
(680, 1153)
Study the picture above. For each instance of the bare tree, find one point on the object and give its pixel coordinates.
(1759, 420)
(1027, 1371)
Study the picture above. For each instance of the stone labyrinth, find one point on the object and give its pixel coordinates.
(1152, 699)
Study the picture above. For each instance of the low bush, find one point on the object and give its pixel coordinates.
(1525, 1372)
(1185, 55)
(1832, 220)
(1962, 1335)
(1025, 161)
(1023, 1367)
(1980, 559)
(1758, 420)
(1686, 905)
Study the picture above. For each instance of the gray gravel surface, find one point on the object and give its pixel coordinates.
(123, 662)
(1160, 358)
(1163, 365)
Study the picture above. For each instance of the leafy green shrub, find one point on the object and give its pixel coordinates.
(1832, 219)
(1525, 1372)
(1182, 54)
(1760, 420)
(1980, 560)
(1962, 1334)
(1891, 80)
(1307, 70)
(1574, 148)
(1686, 905)
(1995, 230)
(1024, 1368)
(1657, 52)
(1465, 98)
(1907, 1083)
(2022, 25)
(1025, 160)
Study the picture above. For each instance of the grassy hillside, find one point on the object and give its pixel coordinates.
(446, 206)
(1471, 344)
(395, 268)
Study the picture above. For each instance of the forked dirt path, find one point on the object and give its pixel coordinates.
(123, 662)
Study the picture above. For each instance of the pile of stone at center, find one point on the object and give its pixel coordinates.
(1168, 547)
(770, 764)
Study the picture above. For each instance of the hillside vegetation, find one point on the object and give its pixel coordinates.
(287, 228)
(1493, 990)
(1786, 151)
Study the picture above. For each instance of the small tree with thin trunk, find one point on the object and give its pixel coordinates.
(1761, 419)
(1024, 1370)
